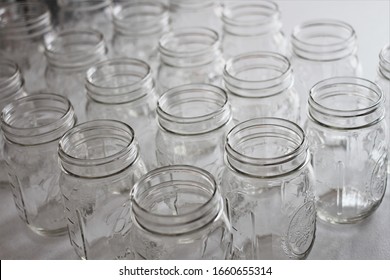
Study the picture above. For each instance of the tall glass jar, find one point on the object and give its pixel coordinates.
(123, 89)
(193, 122)
(383, 78)
(23, 29)
(32, 126)
(261, 84)
(69, 55)
(348, 140)
(100, 163)
(190, 55)
(268, 187)
(11, 88)
(178, 213)
(250, 26)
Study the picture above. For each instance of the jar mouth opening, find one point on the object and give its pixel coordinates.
(83, 5)
(9, 71)
(191, 4)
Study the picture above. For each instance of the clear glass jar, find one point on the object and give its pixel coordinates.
(31, 127)
(193, 122)
(11, 88)
(123, 89)
(261, 84)
(178, 213)
(250, 26)
(23, 29)
(323, 49)
(190, 13)
(190, 55)
(69, 55)
(348, 139)
(268, 187)
(100, 164)
(383, 78)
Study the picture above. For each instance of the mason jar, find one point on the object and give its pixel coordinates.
(348, 139)
(69, 55)
(268, 188)
(100, 164)
(383, 77)
(178, 213)
(123, 89)
(261, 84)
(23, 29)
(193, 122)
(32, 127)
(190, 55)
(250, 26)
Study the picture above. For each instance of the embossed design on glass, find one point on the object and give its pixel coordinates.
(100, 164)
(250, 26)
(261, 84)
(23, 29)
(32, 127)
(123, 89)
(348, 140)
(268, 188)
(178, 213)
(193, 122)
(190, 55)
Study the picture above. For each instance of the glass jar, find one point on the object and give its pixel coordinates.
(11, 88)
(178, 213)
(193, 122)
(31, 127)
(323, 49)
(268, 187)
(383, 77)
(69, 55)
(348, 140)
(261, 84)
(250, 26)
(190, 55)
(23, 29)
(123, 89)
(100, 164)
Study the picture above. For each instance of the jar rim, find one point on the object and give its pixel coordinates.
(4, 62)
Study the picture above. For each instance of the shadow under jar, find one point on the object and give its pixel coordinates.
(190, 55)
(261, 84)
(250, 26)
(100, 164)
(23, 29)
(123, 89)
(348, 139)
(268, 188)
(32, 127)
(193, 122)
(178, 213)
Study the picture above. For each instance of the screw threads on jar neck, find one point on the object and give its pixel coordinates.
(11, 82)
(384, 62)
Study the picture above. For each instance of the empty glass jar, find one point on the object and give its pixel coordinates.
(100, 164)
(383, 77)
(193, 122)
(348, 140)
(261, 84)
(23, 29)
(250, 26)
(32, 127)
(178, 213)
(190, 55)
(268, 187)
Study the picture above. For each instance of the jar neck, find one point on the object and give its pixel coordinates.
(346, 103)
(384, 62)
(83, 5)
(98, 149)
(11, 82)
(141, 19)
(266, 148)
(193, 109)
(22, 21)
(258, 74)
(37, 119)
(176, 200)
(324, 40)
(251, 18)
(190, 47)
(118, 81)
(191, 5)
(76, 49)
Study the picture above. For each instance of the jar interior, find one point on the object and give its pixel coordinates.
(138, 15)
(75, 42)
(249, 12)
(189, 42)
